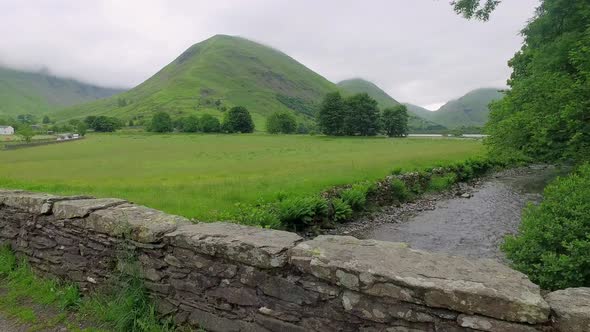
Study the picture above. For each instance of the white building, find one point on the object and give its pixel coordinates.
(6, 130)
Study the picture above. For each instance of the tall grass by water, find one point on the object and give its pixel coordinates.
(202, 176)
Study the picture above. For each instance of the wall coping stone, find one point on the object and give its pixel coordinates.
(571, 309)
(253, 246)
(82, 208)
(393, 270)
(139, 223)
(37, 203)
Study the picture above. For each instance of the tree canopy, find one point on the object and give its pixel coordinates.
(161, 123)
(395, 121)
(478, 9)
(281, 123)
(238, 120)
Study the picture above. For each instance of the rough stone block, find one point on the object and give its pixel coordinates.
(571, 309)
(437, 280)
(82, 208)
(36, 203)
(140, 223)
(253, 246)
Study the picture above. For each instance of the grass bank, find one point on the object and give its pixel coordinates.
(204, 176)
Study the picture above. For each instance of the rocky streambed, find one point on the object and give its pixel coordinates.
(469, 220)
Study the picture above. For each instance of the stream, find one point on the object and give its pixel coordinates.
(472, 227)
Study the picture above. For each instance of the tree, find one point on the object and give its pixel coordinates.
(238, 120)
(26, 118)
(161, 123)
(395, 121)
(477, 9)
(281, 122)
(46, 120)
(131, 124)
(89, 120)
(209, 124)
(361, 115)
(26, 132)
(331, 114)
(82, 128)
(105, 124)
(545, 114)
(191, 124)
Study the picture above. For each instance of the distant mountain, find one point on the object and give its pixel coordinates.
(39, 93)
(469, 110)
(417, 121)
(214, 75)
(420, 111)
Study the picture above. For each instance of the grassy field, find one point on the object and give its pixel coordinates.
(202, 175)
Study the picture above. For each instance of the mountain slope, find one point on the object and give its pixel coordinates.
(214, 75)
(39, 93)
(420, 111)
(469, 110)
(358, 85)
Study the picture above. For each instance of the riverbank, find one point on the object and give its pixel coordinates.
(471, 219)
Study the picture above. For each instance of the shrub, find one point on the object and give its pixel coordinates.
(356, 197)
(238, 120)
(7, 261)
(263, 216)
(190, 124)
(281, 122)
(342, 211)
(161, 123)
(302, 211)
(399, 191)
(209, 124)
(553, 243)
(442, 182)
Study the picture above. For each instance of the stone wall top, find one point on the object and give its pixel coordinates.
(437, 280)
(37, 203)
(253, 246)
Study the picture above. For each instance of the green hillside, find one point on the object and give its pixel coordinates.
(39, 93)
(469, 110)
(420, 111)
(214, 75)
(358, 85)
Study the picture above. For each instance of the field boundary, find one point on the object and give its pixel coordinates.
(19, 145)
(228, 277)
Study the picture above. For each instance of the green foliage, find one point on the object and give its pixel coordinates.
(545, 113)
(191, 124)
(395, 121)
(26, 132)
(399, 191)
(554, 237)
(417, 120)
(209, 124)
(356, 196)
(82, 128)
(475, 8)
(7, 261)
(341, 210)
(161, 123)
(298, 104)
(281, 123)
(261, 215)
(301, 212)
(238, 120)
(442, 182)
(46, 120)
(361, 115)
(330, 115)
(103, 123)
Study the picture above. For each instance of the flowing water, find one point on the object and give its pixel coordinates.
(475, 226)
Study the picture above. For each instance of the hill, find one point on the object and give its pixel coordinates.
(469, 110)
(214, 75)
(357, 85)
(39, 93)
(420, 111)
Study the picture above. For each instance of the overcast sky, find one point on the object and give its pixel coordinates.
(419, 51)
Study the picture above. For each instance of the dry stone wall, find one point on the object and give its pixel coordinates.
(228, 277)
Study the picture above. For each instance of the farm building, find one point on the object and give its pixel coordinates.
(6, 130)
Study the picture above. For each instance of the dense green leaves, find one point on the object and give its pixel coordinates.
(209, 124)
(238, 120)
(330, 116)
(546, 113)
(281, 123)
(103, 123)
(553, 244)
(161, 123)
(478, 9)
(395, 121)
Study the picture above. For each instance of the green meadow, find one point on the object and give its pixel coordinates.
(204, 176)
